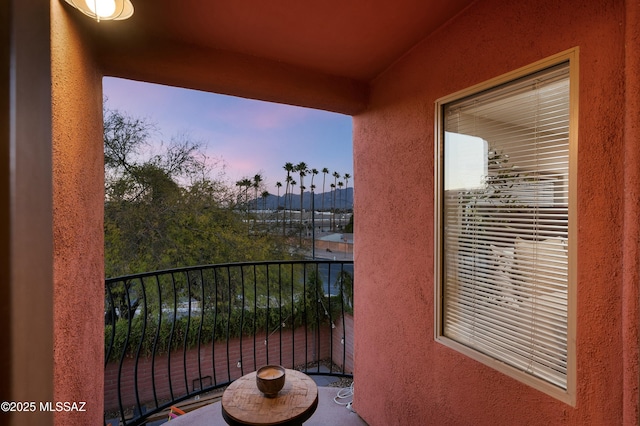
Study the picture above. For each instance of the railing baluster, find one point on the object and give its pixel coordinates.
(202, 305)
(186, 334)
(126, 344)
(266, 332)
(305, 315)
(255, 313)
(173, 326)
(213, 328)
(242, 311)
(329, 314)
(155, 342)
(228, 321)
(280, 309)
(113, 319)
(293, 320)
(344, 324)
(320, 288)
(144, 329)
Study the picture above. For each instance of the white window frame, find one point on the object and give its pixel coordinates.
(567, 395)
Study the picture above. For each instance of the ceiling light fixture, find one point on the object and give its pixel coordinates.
(104, 10)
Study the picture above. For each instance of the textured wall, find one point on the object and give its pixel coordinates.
(631, 238)
(422, 382)
(78, 204)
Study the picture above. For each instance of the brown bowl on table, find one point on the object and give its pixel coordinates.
(270, 380)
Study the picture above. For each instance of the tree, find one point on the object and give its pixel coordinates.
(289, 168)
(302, 170)
(246, 184)
(340, 185)
(333, 205)
(161, 209)
(124, 137)
(278, 185)
(349, 226)
(257, 182)
(336, 176)
(346, 176)
(293, 183)
(314, 172)
(264, 195)
(325, 171)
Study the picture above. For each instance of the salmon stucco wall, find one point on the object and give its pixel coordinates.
(631, 232)
(403, 376)
(78, 204)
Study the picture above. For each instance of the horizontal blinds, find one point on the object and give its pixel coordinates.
(505, 234)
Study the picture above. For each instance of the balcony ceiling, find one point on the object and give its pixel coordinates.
(353, 40)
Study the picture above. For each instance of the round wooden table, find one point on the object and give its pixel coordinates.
(243, 404)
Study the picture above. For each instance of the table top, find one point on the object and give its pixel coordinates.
(244, 404)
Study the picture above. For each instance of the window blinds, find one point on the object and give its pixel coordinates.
(505, 235)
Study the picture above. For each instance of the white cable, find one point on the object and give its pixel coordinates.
(344, 393)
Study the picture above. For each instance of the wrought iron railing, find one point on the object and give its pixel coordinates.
(176, 334)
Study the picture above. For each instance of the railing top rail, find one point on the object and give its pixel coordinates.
(224, 265)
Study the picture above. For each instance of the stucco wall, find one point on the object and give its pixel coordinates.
(631, 232)
(424, 382)
(78, 204)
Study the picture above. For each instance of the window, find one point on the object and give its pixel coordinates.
(504, 292)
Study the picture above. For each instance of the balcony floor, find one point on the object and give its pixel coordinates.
(327, 413)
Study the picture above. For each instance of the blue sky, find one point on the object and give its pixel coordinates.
(248, 136)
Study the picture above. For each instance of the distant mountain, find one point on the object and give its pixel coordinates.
(344, 200)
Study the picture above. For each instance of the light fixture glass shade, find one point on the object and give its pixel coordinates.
(104, 10)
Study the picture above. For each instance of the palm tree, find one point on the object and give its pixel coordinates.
(287, 198)
(292, 183)
(289, 168)
(333, 205)
(325, 171)
(302, 169)
(313, 220)
(346, 176)
(246, 184)
(264, 195)
(278, 185)
(340, 185)
(336, 176)
(257, 180)
(314, 172)
(302, 188)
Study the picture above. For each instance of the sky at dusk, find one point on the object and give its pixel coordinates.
(247, 136)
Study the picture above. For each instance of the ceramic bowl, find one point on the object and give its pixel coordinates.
(270, 380)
